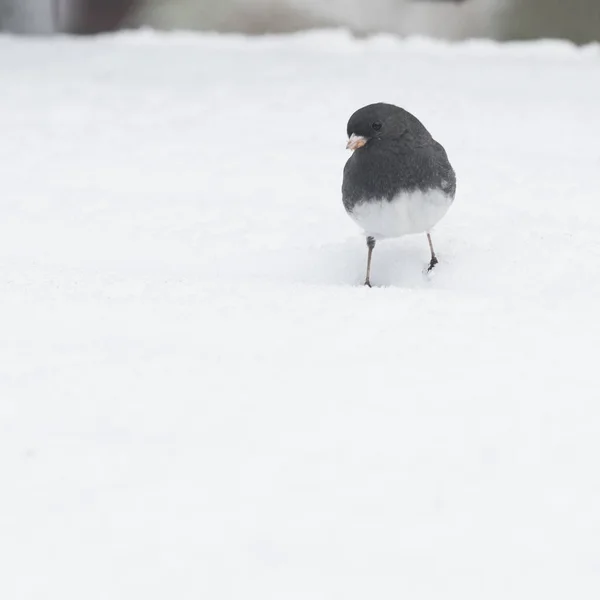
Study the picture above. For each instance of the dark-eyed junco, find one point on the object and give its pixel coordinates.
(398, 179)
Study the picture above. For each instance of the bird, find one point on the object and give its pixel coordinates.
(398, 180)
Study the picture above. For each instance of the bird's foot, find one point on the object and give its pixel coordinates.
(368, 282)
(433, 262)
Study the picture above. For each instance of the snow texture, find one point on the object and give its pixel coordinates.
(198, 397)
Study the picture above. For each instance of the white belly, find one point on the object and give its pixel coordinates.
(414, 212)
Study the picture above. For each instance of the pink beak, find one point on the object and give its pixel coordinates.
(355, 142)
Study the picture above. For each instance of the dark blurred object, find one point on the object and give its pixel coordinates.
(96, 16)
(575, 20)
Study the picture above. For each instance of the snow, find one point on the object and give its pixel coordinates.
(200, 400)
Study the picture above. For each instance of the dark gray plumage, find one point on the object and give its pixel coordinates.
(399, 179)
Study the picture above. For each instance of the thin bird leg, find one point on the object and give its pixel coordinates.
(434, 260)
(370, 246)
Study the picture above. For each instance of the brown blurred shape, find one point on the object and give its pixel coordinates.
(97, 16)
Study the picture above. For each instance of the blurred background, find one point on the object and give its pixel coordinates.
(575, 20)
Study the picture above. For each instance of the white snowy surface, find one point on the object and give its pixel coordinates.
(198, 399)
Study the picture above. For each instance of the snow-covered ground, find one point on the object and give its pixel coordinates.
(198, 399)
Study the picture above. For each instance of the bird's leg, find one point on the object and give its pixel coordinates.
(434, 260)
(370, 246)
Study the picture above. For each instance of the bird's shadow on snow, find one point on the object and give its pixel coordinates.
(396, 263)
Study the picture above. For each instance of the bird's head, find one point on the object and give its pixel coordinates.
(376, 122)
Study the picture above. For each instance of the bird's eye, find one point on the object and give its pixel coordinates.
(376, 126)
